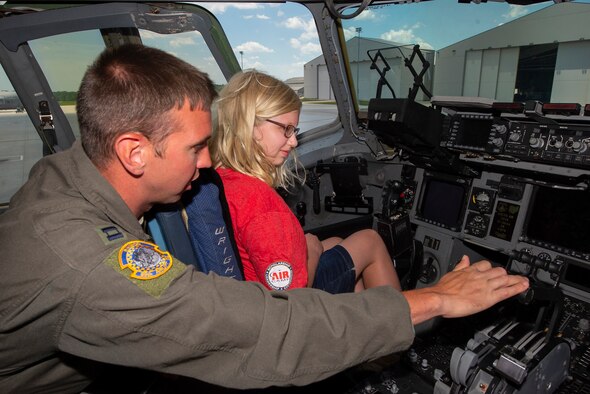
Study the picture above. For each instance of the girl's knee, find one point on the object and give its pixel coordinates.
(371, 235)
(331, 242)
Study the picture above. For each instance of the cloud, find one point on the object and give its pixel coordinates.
(367, 15)
(253, 47)
(307, 48)
(307, 43)
(515, 12)
(349, 32)
(257, 16)
(295, 22)
(423, 44)
(405, 36)
(257, 65)
(149, 35)
(181, 41)
(308, 27)
(222, 7)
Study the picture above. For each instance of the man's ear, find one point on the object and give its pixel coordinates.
(130, 149)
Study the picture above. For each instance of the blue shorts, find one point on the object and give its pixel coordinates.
(335, 273)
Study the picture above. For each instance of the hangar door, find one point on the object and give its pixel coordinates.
(491, 73)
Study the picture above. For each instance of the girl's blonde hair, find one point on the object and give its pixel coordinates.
(250, 98)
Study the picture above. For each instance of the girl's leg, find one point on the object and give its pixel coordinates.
(372, 262)
(331, 242)
(312, 264)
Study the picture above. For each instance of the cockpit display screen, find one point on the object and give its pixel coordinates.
(560, 218)
(443, 203)
(474, 132)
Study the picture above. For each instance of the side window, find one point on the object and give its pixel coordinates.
(64, 59)
(19, 141)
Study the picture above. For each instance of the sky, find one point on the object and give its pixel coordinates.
(280, 38)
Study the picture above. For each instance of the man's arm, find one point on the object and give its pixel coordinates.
(468, 289)
(228, 332)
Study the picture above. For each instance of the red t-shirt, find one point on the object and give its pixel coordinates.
(270, 239)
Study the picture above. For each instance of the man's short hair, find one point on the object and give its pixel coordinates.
(134, 88)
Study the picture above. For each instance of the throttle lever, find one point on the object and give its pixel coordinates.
(314, 183)
(301, 211)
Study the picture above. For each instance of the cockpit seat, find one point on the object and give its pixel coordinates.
(198, 230)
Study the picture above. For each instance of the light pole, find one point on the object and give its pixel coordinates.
(358, 60)
(242, 59)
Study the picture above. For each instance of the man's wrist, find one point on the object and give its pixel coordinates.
(424, 304)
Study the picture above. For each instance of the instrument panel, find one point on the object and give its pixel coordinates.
(515, 192)
(563, 141)
(509, 187)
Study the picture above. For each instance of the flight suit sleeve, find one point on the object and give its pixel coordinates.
(227, 332)
(276, 246)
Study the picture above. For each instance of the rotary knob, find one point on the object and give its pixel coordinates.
(500, 128)
(579, 146)
(497, 141)
(514, 137)
(536, 143)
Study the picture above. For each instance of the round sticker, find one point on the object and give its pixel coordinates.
(279, 275)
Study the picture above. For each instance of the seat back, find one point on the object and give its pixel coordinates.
(166, 225)
(198, 231)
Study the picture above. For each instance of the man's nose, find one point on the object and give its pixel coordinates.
(204, 160)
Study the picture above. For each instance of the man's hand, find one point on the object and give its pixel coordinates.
(466, 290)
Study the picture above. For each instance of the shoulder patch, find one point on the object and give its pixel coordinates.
(145, 260)
(145, 265)
(279, 275)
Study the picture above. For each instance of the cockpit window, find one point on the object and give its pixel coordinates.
(282, 40)
(64, 59)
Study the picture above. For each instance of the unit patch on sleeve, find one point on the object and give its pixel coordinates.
(279, 275)
(144, 259)
(145, 265)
